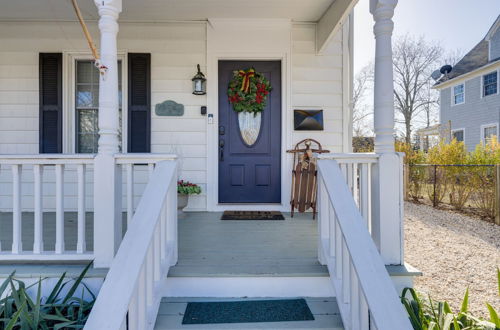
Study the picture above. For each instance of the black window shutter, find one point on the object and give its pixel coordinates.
(139, 102)
(50, 92)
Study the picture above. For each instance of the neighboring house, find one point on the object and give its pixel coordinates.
(469, 94)
(81, 146)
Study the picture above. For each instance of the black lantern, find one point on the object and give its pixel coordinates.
(199, 83)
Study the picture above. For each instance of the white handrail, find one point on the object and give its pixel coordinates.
(365, 293)
(141, 264)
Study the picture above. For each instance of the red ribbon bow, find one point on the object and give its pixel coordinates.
(245, 86)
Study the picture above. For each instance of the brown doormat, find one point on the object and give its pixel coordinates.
(252, 215)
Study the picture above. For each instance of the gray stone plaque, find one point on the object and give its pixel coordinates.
(169, 108)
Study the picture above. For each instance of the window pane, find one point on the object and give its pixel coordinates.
(490, 131)
(490, 83)
(459, 98)
(458, 135)
(84, 72)
(87, 103)
(87, 143)
(84, 96)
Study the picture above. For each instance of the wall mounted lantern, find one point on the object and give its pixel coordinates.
(199, 83)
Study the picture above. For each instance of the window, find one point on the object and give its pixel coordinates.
(490, 82)
(86, 105)
(458, 94)
(488, 132)
(458, 135)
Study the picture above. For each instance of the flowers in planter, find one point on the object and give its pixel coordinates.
(187, 188)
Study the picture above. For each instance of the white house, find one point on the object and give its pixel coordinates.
(80, 146)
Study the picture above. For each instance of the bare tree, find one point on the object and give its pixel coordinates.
(361, 112)
(414, 60)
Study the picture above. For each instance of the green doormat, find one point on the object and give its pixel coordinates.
(247, 311)
(252, 215)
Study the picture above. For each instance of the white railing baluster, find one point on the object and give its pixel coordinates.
(59, 247)
(163, 236)
(141, 297)
(338, 250)
(133, 311)
(130, 192)
(80, 244)
(364, 182)
(346, 277)
(331, 241)
(38, 208)
(149, 277)
(364, 314)
(157, 254)
(151, 167)
(354, 296)
(17, 245)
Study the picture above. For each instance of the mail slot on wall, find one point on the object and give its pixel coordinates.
(308, 120)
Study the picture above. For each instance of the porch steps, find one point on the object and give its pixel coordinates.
(325, 311)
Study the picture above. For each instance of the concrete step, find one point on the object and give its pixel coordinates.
(325, 311)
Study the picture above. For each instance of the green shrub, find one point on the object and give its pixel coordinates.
(19, 310)
(425, 314)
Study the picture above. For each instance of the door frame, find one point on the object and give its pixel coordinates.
(212, 130)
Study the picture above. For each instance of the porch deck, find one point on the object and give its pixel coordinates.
(208, 247)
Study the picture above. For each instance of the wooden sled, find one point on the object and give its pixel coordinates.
(304, 176)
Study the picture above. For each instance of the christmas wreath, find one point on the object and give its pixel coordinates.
(248, 91)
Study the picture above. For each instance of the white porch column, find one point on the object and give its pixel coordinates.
(107, 175)
(387, 185)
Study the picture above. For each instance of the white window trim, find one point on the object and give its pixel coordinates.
(481, 90)
(69, 111)
(487, 126)
(458, 130)
(452, 92)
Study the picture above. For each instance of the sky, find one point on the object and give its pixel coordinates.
(455, 24)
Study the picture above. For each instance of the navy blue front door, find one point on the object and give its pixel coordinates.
(250, 174)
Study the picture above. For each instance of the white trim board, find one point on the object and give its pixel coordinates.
(218, 49)
(231, 287)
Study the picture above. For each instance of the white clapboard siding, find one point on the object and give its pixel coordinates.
(317, 84)
(176, 48)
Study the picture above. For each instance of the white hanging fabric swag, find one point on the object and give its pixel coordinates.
(97, 62)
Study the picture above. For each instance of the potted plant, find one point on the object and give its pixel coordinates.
(184, 189)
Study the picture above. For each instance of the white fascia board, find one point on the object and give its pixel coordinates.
(329, 24)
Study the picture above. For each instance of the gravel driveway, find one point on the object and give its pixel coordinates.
(453, 251)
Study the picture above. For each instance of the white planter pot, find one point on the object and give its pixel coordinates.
(182, 201)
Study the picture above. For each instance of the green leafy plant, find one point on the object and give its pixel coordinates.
(19, 310)
(425, 314)
(187, 188)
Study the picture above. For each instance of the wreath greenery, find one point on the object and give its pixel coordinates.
(248, 91)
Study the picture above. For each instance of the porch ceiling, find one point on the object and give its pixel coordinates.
(159, 10)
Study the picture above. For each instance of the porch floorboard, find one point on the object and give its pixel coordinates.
(210, 247)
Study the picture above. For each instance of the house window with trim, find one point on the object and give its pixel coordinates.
(87, 104)
(458, 135)
(458, 94)
(489, 132)
(490, 83)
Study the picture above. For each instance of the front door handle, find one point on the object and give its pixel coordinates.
(221, 150)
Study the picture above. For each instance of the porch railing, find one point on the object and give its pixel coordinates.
(365, 293)
(357, 169)
(130, 296)
(51, 185)
(55, 166)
